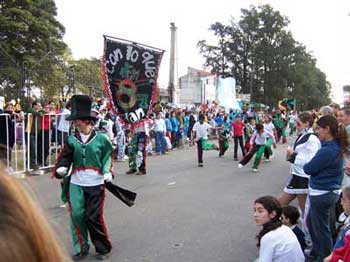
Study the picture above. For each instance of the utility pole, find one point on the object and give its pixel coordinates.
(26, 83)
(72, 79)
(171, 87)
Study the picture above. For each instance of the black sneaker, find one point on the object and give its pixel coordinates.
(131, 171)
(235, 159)
(200, 165)
(310, 256)
(100, 256)
(80, 256)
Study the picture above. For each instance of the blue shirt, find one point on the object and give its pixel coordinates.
(340, 242)
(174, 124)
(169, 127)
(326, 167)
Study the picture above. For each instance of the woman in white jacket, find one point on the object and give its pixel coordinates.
(303, 150)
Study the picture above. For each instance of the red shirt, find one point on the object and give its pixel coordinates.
(238, 128)
(45, 122)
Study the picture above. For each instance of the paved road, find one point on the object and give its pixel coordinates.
(183, 213)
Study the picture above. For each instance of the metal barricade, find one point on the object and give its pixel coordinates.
(32, 143)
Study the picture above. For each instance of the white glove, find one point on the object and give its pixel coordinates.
(108, 177)
(62, 171)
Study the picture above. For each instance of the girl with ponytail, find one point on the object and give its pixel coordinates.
(326, 175)
(277, 242)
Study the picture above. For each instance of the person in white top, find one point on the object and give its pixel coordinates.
(200, 134)
(270, 128)
(276, 242)
(257, 145)
(304, 149)
(64, 125)
(159, 128)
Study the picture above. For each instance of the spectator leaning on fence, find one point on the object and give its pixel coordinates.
(7, 134)
(31, 132)
(43, 144)
(63, 124)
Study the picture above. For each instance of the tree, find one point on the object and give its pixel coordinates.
(30, 41)
(88, 76)
(266, 61)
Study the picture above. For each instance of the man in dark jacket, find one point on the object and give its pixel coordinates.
(7, 134)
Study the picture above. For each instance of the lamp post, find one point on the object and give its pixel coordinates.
(72, 76)
(26, 70)
(26, 82)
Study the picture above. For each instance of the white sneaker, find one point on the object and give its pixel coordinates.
(268, 160)
(255, 170)
(240, 165)
(272, 156)
(63, 205)
(9, 170)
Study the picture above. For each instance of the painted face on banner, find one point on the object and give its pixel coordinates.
(130, 74)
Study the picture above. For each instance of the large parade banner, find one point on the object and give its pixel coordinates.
(226, 93)
(130, 72)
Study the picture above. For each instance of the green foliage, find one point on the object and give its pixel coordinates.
(88, 75)
(30, 40)
(33, 54)
(265, 59)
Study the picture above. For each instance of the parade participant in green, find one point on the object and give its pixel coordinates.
(200, 133)
(257, 145)
(137, 149)
(223, 139)
(90, 154)
(270, 128)
(132, 152)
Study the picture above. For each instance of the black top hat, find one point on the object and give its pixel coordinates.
(81, 107)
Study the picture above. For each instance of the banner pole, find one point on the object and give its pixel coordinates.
(132, 42)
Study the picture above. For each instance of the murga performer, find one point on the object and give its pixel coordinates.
(89, 155)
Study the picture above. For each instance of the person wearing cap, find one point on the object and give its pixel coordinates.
(89, 154)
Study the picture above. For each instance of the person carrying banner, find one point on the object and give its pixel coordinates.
(90, 154)
(137, 150)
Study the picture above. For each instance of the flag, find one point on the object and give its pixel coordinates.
(130, 72)
(288, 103)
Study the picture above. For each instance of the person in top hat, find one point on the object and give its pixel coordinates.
(89, 155)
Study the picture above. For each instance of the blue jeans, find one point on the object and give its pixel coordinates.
(318, 221)
(160, 142)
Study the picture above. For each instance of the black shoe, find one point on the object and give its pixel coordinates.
(102, 256)
(131, 171)
(80, 256)
(310, 257)
(200, 165)
(235, 159)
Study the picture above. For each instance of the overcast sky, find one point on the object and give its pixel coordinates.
(323, 26)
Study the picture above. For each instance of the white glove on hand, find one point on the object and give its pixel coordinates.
(62, 171)
(108, 177)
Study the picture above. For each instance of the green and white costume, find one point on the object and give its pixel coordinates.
(91, 160)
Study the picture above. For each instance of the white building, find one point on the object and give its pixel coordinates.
(197, 87)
